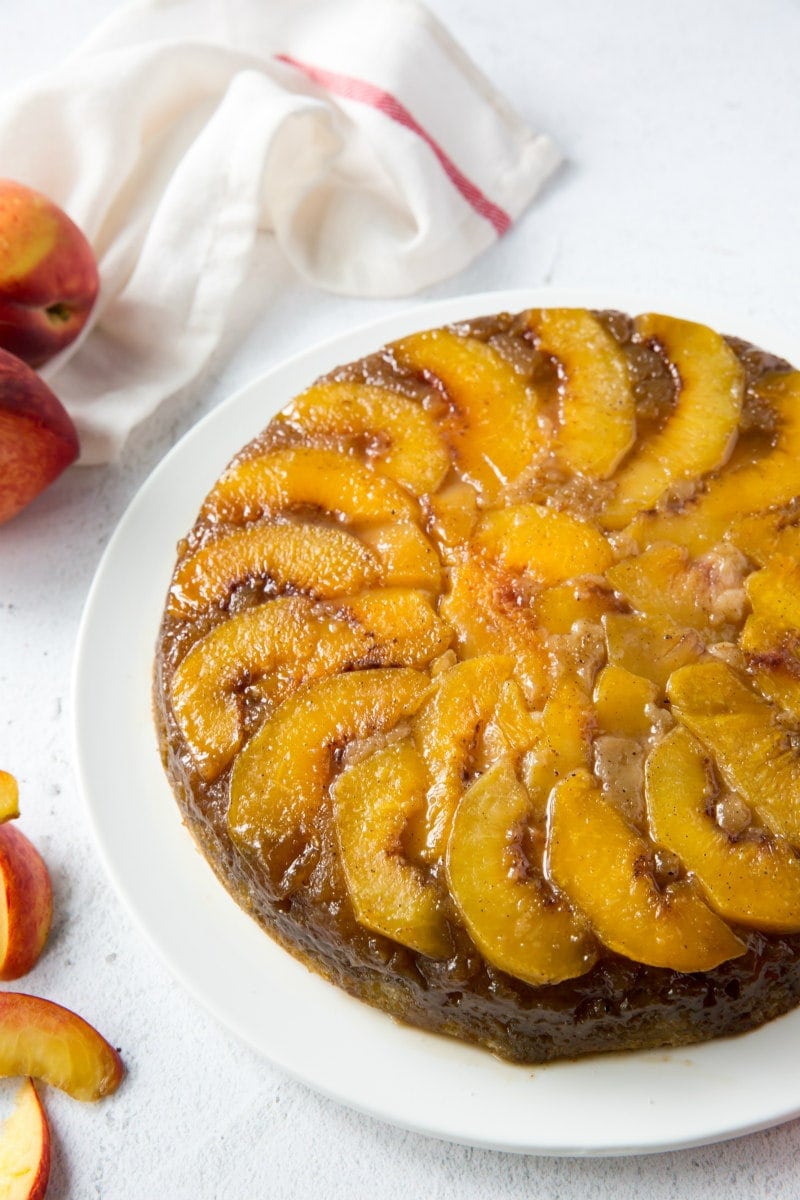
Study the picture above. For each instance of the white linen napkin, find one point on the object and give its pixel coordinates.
(355, 132)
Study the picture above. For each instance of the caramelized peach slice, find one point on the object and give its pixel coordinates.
(650, 646)
(487, 616)
(624, 702)
(309, 558)
(755, 754)
(9, 797)
(765, 535)
(607, 871)
(771, 636)
(755, 479)
(663, 581)
(568, 725)
(373, 801)
(513, 729)
(406, 556)
(453, 514)
(752, 879)
(51, 1043)
(446, 729)
(303, 637)
(399, 434)
(279, 779)
(699, 434)
(557, 608)
(519, 925)
(492, 428)
(305, 477)
(594, 392)
(549, 545)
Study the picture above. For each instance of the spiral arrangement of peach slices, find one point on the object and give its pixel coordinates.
(531, 651)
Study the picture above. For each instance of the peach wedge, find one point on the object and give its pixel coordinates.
(279, 779)
(25, 1148)
(751, 879)
(510, 912)
(9, 797)
(305, 477)
(26, 903)
(51, 1043)
(751, 748)
(698, 436)
(594, 392)
(446, 729)
(492, 424)
(607, 871)
(305, 558)
(373, 801)
(400, 436)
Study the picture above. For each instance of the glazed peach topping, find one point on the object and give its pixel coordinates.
(537, 653)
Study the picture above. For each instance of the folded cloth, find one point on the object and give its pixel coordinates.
(355, 132)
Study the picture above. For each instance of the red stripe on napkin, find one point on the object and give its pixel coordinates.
(368, 93)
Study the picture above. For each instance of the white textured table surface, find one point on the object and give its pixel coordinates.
(679, 123)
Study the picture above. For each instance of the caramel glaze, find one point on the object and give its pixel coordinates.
(304, 904)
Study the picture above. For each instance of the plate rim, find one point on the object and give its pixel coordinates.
(452, 1059)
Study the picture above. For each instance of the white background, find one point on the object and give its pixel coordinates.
(679, 122)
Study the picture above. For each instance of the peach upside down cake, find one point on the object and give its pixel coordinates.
(478, 681)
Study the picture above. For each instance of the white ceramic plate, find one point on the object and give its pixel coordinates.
(602, 1105)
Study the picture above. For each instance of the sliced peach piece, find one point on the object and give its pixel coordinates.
(557, 608)
(51, 1043)
(650, 646)
(300, 636)
(305, 477)
(484, 610)
(662, 582)
(400, 435)
(9, 797)
(25, 1148)
(519, 925)
(699, 434)
(279, 779)
(513, 729)
(606, 869)
(549, 545)
(568, 725)
(597, 409)
(406, 556)
(373, 802)
(754, 480)
(446, 729)
(771, 635)
(310, 558)
(492, 425)
(624, 702)
(752, 879)
(454, 514)
(26, 904)
(752, 749)
(765, 535)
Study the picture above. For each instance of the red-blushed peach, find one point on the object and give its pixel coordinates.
(48, 275)
(9, 797)
(25, 1148)
(52, 1043)
(26, 903)
(37, 437)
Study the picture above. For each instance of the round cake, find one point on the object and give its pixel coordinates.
(478, 681)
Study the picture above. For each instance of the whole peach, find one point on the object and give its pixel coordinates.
(48, 275)
(37, 437)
